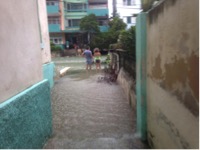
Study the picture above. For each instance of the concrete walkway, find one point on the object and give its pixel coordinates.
(88, 115)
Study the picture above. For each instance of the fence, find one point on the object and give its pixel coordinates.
(120, 58)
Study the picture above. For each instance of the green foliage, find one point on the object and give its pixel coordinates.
(89, 24)
(116, 24)
(54, 48)
(103, 40)
(127, 39)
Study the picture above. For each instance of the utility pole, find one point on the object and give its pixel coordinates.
(114, 8)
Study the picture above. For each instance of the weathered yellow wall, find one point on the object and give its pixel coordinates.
(173, 74)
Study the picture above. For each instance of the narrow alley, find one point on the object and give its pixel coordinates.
(90, 114)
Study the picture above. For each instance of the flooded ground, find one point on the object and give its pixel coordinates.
(88, 114)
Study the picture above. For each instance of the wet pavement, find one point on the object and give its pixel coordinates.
(88, 114)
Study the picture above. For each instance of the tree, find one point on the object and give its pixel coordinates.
(102, 40)
(89, 24)
(116, 26)
(127, 40)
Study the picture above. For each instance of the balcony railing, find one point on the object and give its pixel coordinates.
(72, 29)
(102, 6)
(98, 1)
(98, 12)
(54, 27)
(53, 9)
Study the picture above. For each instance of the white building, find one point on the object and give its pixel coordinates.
(126, 9)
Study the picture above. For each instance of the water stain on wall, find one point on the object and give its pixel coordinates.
(157, 71)
(193, 75)
(180, 78)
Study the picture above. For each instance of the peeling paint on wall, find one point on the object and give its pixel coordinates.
(173, 68)
(180, 78)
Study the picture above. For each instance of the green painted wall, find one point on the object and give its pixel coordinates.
(48, 73)
(26, 119)
(52, 9)
(54, 28)
(141, 75)
(98, 12)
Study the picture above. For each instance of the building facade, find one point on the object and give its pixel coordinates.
(64, 18)
(26, 70)
(126, 9)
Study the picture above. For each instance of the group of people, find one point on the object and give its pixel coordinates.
(96, 58)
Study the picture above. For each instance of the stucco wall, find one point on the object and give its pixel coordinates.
(128, 85)
(173, 74)
(20, 59)
(45, 49)
(26, 119)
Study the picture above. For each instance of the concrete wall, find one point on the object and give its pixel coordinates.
(128, 85)
(20, 57)
(173, 74)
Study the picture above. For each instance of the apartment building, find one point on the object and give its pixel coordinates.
(126, 9)
(64, 18)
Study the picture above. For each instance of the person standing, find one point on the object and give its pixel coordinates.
(89, 58)
(97, 58)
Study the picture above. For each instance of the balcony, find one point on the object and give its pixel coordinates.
(75, 15)
(54, 28)
(53, 10)
(72, 29)
(98, 1)
(98, 12)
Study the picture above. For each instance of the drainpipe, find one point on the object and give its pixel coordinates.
(39, 25)
(141, 99)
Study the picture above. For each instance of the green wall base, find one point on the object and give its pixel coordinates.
(26, 119)
(48, 73)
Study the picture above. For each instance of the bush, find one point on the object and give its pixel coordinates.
(127, 40)
(55, 48)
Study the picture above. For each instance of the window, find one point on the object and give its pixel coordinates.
(52, 3)
(53, 20)
(129, 2)
(75, 7)
(56, 40)
(128, 19)
(102, 22)
(74, 22)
